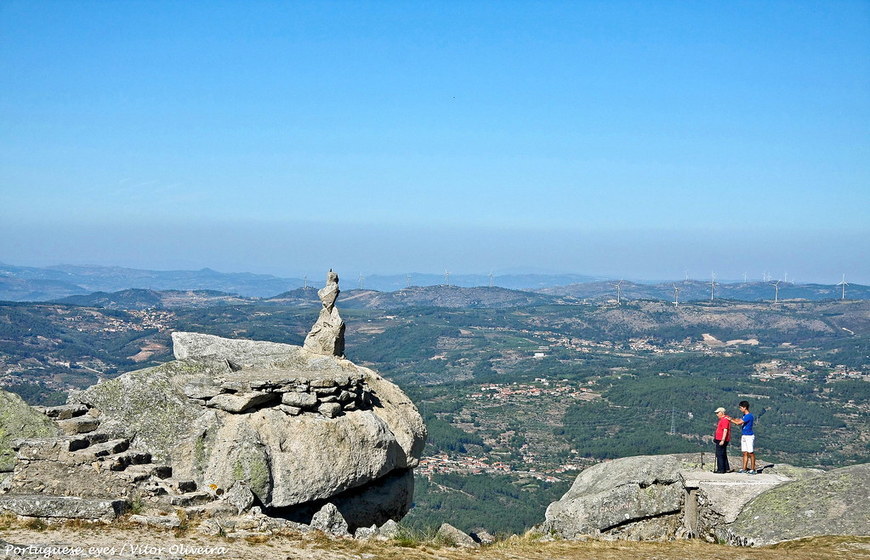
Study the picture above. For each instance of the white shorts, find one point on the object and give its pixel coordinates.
(747, 444)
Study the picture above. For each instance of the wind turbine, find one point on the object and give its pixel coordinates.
(618, 287)
(676, 295)
(776, 292)
(305, 280)
(408, 281)
(843, 283)
(490, 279)
(712, 285)
(446, 277)
(362, 282)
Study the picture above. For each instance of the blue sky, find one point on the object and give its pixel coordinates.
(629, 139)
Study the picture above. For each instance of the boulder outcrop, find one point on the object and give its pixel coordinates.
(660, 497)
(297, 428)
(630, 497)
(836, 502)
(229, 428)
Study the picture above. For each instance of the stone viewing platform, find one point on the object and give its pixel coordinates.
(727, 493)
(664, 497)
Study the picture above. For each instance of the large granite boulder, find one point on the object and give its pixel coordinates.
(641, 496)
(833, 503)
(19, 420)
(297, 427)
(659, 497)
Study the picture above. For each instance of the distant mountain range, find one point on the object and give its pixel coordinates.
(116, 287)
(693, 290)
(18, 283)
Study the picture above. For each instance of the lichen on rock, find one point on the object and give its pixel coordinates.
(19, 420)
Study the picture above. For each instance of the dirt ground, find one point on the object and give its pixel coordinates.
(113, 542)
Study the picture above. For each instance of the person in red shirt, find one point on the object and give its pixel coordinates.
(721, 439)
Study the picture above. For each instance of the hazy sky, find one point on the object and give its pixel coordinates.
(629, 139)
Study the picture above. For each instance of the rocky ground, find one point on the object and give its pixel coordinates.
(133, 542)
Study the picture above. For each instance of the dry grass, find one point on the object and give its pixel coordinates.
(317, 546)
(531, 547)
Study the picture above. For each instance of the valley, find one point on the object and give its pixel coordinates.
(520, 396)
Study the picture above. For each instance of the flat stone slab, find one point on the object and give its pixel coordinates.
(79, 425)
(729, 492)
(240, 403)
(64, 507)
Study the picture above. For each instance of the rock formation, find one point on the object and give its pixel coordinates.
(18, 420)
(327, 334)
(232, 425)
(832, 503)
(659, 497)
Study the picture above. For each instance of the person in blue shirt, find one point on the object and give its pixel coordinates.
(747, 438)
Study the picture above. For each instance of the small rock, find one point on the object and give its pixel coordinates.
(291, 410)
(323, 382)
(301, 400)
(190, 499)
(330, 410)
(240, 496)
(329, 520)
(455, 536)
(389, 530)
(240, 403)
(482, 536)
(78, 425)
(365, 533)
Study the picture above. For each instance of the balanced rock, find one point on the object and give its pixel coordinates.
(216, 416)
(327, 334)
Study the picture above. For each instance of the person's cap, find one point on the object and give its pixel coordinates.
(720, 409)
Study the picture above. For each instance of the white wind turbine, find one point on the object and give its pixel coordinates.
(676, 295)
(776, 292)
(618, 287)
(712, 285)
(843, 283)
